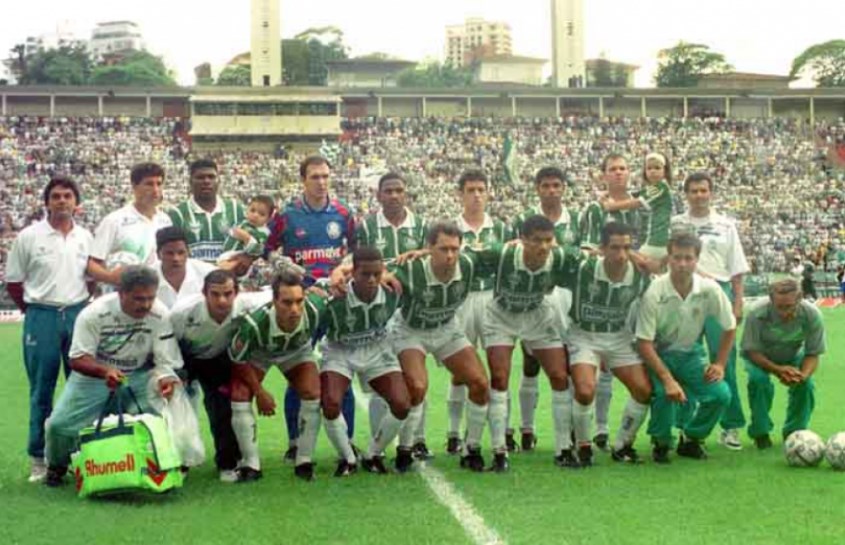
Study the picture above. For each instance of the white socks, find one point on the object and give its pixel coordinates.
(387, 431)
(455, 404)
(309, 425)
(378, 408)
(582, 416)
(476, 419)
(604, 393)
(562, 416)
(528, 394)
(409, 428)
(336, 430)
(243, 424)
(497, 414)
(632, 418)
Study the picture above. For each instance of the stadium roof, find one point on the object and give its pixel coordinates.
(747, 75)
(384, 64)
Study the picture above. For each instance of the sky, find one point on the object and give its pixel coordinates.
(189, 32)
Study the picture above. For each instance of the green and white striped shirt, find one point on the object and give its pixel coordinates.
(595, 217)
(657, 204)
(352, 323)
(491, 232)
(260, 338)
(600, 305)
(567, 228)
(428, 303)
(391, 241)
(207, 231)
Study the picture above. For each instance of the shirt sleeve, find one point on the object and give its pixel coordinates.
(815, 343)
(18, 259)
(175, 216)
(568, 261)
(590, 226)
(654, 194)
(104, 239)
(485, 260)
(86, 335)
(241, 346)
(647, 316)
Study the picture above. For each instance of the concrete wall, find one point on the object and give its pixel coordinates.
(76, 106)
(795, 108)
(28, 105)
(446, 107)
(506, 72)
(579, 106)
(747, 108)
(491, 107)
(665, 107)
(401, 107)
(622, 107)
(535, 107)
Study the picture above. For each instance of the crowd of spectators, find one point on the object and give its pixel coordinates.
(774, 176)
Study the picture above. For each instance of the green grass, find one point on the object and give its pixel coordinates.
(744, 497)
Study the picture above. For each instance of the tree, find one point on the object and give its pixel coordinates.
(435, 74)
(134, 68)
(602, 74)
(16, 63)
(65, 65)
(685, 63)
(825, 61)
(235, 75)
(202, 74)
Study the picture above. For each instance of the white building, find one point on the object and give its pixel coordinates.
(510, 69)
(477, 38)
(568, 68)
(115, 36)
(265, 43)
(63, 35)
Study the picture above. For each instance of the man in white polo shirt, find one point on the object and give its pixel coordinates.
(723, 260)
(45, 277)
(180, 276)
(204, 325)
(119, 338)
(127, 236)
(670, 324)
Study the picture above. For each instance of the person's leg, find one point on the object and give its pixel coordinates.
(391, 387)
(467, 368)
(79, 404)
(802, 401)
(412, 362)
(348, 410)
(713, 397)
(761, 393)
(662, 417)
(305, 379)
(333, 386)
(42, 359)
(292, 407)
(455, 403)
(243, 418)
(635, 378)
(553, 362)
(733, 418)
(499, 362)
(584, 379)
(529, 392)
(604, 395)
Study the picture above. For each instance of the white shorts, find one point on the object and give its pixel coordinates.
(286, 362)
(614, 349)
(442, 342)
(369, 362)
(562, 297)
(539, 329)
(470, 315)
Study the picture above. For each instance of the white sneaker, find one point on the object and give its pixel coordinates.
(38, 470)
(228, 476)
(730, 439)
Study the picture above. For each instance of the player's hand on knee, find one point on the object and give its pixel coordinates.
(266, 403)
(674, 392)
(166, 386)
(714, 373)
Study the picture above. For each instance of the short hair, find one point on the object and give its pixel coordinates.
(697, 177)
(667, 166)
(444, 227)
(615, 229)
(170, 234)
(785, 286)
(390, 176)
(201, 163)
(312, 160)
(612, 156)
(61, 181)
(219, 276)
(684, 239)
(535, 224)
(472, 175)
(145, 170)
(365, 254)
(286, 278)
(549, 172)
(266, 200)
(134, 276)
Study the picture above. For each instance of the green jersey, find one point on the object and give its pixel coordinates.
(391, 241)
(595, 217)
(491, 232)
(428, 303)
(781, 341)
(351, 322)
(600, 305)
(567, 228)
(657, 214)
(518, 289)
(255, 247)
(206, 231)
(260, 338)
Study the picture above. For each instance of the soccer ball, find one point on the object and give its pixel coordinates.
(834, 451)
(803, 448)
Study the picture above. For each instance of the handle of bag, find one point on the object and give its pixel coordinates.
(116, 398)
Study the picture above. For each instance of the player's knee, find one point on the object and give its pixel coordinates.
(309, 392)
(416, 390)
(642, 392)
(585, 393)
(239, 392)
(331, 408)
(478, 390)
(722, 395)
(400, 408)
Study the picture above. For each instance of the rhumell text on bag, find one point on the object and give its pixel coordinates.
(109, 468)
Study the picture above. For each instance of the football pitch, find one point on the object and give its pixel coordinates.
(743, 497)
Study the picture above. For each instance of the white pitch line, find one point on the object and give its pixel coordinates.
(463, 512)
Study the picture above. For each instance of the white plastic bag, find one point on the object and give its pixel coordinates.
(182, 422)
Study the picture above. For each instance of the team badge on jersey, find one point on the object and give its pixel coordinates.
(351, 321)
(457, 290)
(194, 228)
(427, 297)
(333, 230)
